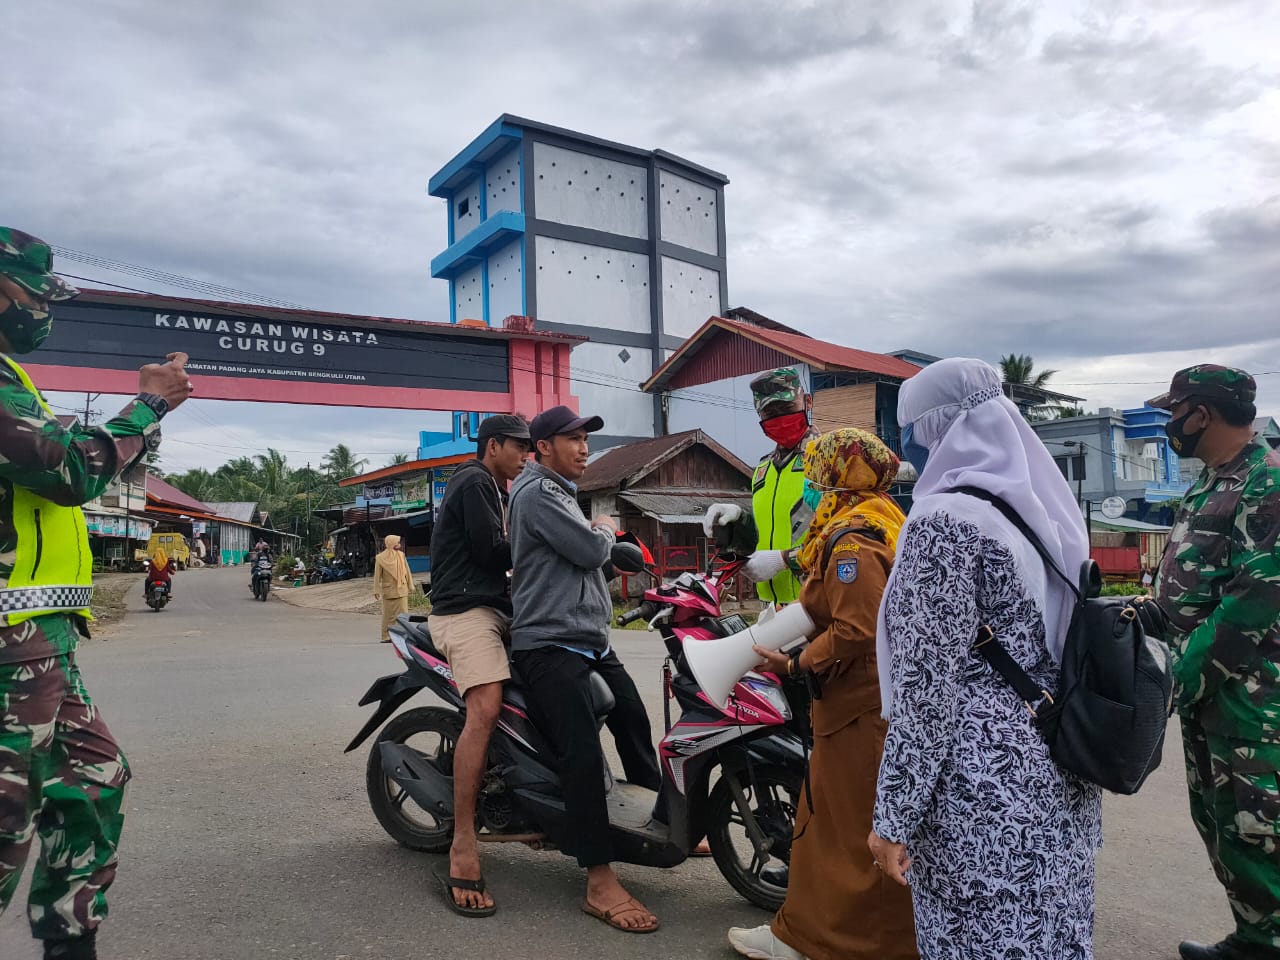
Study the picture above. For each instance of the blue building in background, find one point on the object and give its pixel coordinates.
(1118, 453)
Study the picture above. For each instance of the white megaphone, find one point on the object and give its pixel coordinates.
(719, 664)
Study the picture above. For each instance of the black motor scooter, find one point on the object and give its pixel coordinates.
(732, 774)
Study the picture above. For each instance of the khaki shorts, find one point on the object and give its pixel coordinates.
(472, 643)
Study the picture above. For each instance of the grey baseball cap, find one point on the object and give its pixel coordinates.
(503, 425)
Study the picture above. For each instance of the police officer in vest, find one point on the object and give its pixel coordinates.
(778, 517)
(61, 774)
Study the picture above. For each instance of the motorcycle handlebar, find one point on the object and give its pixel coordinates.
(645, 611)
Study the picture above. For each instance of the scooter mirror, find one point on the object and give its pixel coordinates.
(627, 558)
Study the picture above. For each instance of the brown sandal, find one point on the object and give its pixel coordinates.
(630, 905)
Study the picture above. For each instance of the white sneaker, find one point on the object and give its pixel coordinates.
(759, 943)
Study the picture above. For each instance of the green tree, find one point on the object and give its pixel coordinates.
(1020, 369)
(340, 463)
(398, 458)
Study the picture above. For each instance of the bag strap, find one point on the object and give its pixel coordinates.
(986, 645)
(1033, 695)
(1014, 518)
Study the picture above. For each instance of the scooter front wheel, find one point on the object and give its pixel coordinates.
(748, 811)
(433, 732)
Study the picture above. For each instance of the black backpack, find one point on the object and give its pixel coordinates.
(1106, 722)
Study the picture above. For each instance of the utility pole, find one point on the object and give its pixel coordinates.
(88, 414)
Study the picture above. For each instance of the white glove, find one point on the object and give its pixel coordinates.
(719, 515)
(764, 565)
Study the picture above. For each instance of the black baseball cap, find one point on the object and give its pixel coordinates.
(503, 425)
(557, 420)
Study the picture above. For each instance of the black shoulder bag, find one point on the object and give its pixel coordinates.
(1105, 722)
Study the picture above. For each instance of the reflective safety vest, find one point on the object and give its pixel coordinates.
(776, 496)
(52, 567)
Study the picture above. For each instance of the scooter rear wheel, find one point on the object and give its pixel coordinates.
(772, 803)
(435, 733)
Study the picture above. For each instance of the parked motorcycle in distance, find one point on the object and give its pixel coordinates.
(732, 774)
(261, 581)
(331, 571)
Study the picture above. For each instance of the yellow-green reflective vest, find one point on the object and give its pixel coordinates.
(775, 494)
(52, 566)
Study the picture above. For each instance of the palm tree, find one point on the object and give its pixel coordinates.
(398, 458)
(1027, 387)
(1020, 369)
(340, 462)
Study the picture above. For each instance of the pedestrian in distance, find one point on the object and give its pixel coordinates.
(471, 624)
(1219, 584)
(840, 905)
(392, 582)
(996, 841)
(62, 775)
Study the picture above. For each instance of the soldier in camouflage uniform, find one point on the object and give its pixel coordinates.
(1219, 584)
(61, 774)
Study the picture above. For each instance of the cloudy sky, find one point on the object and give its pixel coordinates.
(1096, 183)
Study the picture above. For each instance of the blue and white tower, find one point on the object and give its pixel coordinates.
(621, 245)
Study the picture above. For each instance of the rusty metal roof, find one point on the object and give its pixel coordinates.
(681, 506)
(765, 346)
(625, 465)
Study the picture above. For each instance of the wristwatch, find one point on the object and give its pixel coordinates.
(158, 404)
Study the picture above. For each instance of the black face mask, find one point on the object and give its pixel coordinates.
(1184, 444)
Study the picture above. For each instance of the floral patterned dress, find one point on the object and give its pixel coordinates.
(1002, 841)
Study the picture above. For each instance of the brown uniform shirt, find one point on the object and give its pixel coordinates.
(842, 595)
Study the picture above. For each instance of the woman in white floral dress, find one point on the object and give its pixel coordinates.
(997, 843)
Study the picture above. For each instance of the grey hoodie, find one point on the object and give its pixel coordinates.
(558, 589)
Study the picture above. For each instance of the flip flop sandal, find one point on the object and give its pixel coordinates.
(449, 884)
(630, 905)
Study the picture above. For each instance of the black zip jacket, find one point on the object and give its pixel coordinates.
(470, 552)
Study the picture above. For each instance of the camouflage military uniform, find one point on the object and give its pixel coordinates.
(1219, 582)
(61, 773)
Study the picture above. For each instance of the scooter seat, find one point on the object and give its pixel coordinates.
(602, 700)
(419, 633)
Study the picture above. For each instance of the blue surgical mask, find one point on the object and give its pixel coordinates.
(916, 454)
(812, 495)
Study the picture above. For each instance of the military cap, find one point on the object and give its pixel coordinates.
(776, 388)
(28, 262)
(1208, 381)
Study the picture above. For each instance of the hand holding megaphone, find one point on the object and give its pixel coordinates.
(719, 664)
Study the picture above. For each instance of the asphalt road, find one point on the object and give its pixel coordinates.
(249, 836)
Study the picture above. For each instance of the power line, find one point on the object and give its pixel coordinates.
(174, 279)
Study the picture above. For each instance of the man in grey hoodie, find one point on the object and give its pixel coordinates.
(559, 634)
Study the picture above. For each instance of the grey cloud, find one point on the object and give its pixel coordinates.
(1152, 73)
(1099, 162)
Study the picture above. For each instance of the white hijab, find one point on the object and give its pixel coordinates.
(977, 438)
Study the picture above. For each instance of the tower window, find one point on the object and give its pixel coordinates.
(464, 206)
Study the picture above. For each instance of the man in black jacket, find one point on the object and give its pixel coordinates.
(470, 620)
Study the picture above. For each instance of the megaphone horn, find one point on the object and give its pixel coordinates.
(719, 664)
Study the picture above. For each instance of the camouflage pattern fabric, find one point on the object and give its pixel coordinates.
(1210, 381)
(1235, 804)
(62, 777)
(776, 388)
(1219, 583)
(69, 465)
(28, 262)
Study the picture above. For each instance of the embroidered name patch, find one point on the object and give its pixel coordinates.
(847, 570)
(846, 546)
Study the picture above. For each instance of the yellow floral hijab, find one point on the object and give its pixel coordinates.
(854, 470)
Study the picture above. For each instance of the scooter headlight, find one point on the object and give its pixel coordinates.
(771, 693)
